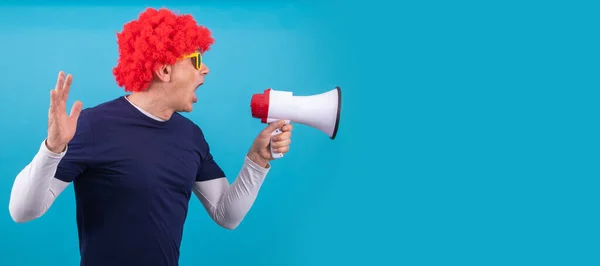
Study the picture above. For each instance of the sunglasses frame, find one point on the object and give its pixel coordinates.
(198, 57)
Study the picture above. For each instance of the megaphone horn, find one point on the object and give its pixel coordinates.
(320, 111)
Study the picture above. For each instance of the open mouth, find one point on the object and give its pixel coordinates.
(196, 97)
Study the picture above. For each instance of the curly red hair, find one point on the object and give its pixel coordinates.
(157, 37)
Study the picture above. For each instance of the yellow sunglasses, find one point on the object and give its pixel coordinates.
(196, 59)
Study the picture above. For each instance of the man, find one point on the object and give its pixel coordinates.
(135, 161)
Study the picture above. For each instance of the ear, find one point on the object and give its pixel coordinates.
(164, 72)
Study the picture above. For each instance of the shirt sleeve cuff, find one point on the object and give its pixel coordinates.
(47, 153)
(257, 168)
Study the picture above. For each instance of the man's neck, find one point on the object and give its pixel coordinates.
(152, 104)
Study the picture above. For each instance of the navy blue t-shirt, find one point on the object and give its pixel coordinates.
(133, 179)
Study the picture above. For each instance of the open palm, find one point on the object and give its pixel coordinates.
(61, 127)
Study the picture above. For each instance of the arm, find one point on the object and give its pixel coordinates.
(35, 188)
(228, 204)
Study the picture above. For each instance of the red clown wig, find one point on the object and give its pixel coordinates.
(157, 37)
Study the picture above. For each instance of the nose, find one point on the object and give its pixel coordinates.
(204, 69)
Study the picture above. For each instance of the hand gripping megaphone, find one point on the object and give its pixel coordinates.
(320, 111)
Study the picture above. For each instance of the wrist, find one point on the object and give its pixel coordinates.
(257, 159)
(55, 148)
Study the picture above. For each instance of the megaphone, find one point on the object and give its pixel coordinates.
(320, 111)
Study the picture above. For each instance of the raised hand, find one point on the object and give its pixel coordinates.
(61, 127)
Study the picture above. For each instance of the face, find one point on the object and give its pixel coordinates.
(184, 79)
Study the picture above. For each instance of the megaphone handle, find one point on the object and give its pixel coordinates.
(278, 131)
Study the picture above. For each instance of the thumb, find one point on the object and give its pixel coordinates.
(273, 126)
(76, 110)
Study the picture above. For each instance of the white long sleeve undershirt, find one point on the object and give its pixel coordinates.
(35, 189)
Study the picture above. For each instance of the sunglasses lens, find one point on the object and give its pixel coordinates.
(197, 61)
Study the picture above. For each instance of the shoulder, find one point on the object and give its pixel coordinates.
(93, 119)
(113, 104)
(189, 125)
(102, 108)
(196, 134)
(95, 114)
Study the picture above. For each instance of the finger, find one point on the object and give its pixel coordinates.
(53, 101)
(287, 128)
(76, 110)
(280, 144)
(273, 126)
(54, 92)
(60, 81)
(282, 136)
(283, 149)
(67, 87)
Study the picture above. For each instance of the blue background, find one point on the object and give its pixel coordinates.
(468, 136)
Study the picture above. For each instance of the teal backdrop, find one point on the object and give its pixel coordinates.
(468, 135)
